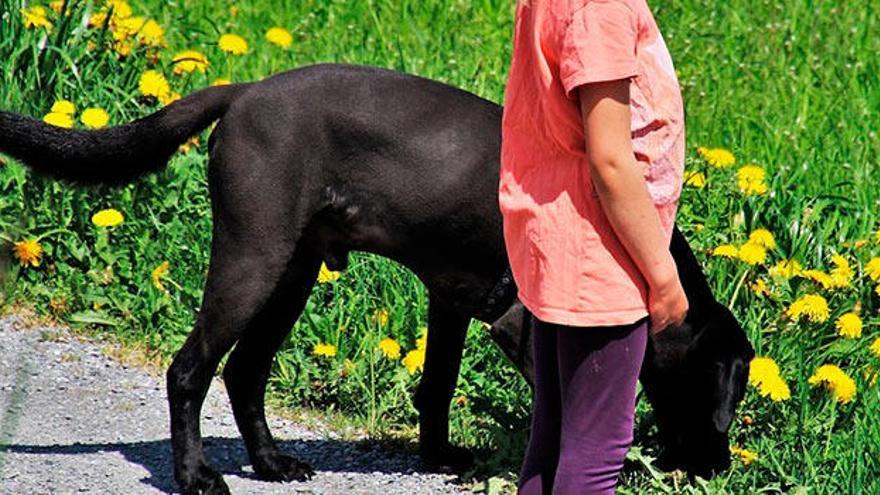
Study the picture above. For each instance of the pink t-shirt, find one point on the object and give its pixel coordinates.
(569, 266)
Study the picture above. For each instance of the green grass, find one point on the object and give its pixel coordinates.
(792, 86)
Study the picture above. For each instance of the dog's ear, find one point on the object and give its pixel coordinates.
(733, 352)
(730, 390)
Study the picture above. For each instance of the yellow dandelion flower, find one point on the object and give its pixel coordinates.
(56, 5)
(127, 28)
(97, 19)
(836, 381)
(233, 44)
(698, 227)
(390, 348)
(325, 275)
(872, 269)
(58, 119)
(818, 276)
(695, 179)
(107, 218)
(63, 106)
(760, 288)
(750, 179)
(189, 61)
(325, 350)
(752, 253)
(849, 326)
(764, 374)
(717, 157)
(776, 389)
(877, 236)
(760, 368)
(813, 306)
(786, 269)
(842, 273)
(160, 272)
(745, 456)
(726, 250)
(189, 145)
(280, 37)
(36, 17)
(221, 82)
(380, 316)
(762, 237)
(28, 252)
(94, 118)
(414, 360)
(123, 48)
(121, 8)
(153, 84)
(875, 347)
(151, 34)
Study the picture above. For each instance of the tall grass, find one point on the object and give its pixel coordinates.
(792, 86)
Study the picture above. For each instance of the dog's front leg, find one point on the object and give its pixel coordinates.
(446, 335)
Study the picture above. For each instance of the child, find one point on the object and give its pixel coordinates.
(591, 170)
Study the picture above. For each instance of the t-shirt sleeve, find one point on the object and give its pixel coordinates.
(599, 44)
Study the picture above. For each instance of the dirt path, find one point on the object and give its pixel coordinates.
(74, 421)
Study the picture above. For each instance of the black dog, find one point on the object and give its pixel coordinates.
(311, 164)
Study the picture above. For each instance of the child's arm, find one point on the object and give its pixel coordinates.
(624, 197)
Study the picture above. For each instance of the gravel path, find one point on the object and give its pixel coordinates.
(75, 421)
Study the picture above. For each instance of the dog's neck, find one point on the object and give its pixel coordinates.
(499, 298)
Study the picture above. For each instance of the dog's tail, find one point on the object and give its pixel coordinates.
(115, 155)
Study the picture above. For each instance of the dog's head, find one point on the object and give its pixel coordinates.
(694, 376)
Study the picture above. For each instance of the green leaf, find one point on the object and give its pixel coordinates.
(94, 318)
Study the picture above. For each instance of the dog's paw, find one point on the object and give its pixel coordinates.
(202, 481)
(279, 466)
(447, 458)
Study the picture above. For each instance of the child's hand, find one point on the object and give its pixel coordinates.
(667, 304)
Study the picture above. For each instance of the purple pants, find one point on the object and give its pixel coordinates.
(584, 407)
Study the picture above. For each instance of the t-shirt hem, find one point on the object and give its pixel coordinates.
(574, 318)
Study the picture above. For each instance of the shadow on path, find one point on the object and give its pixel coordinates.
(228, 456)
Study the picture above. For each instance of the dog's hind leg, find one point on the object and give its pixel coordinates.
(248, 367)
(257, 224)
(235, 289)
(446, 333)
(240, 282)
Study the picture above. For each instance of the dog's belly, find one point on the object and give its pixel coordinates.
(465, 291)
(453, 260)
